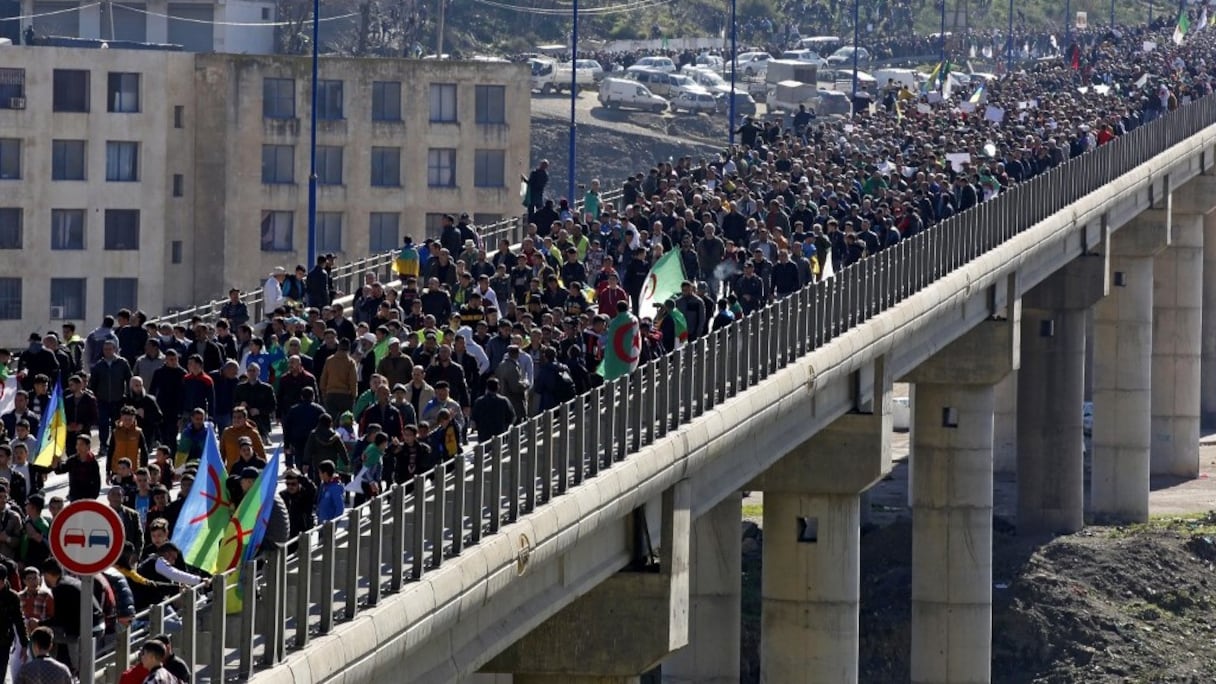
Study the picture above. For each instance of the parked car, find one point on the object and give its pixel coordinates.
(694, 102)
(844, 56)
(660, 63)
(618, 92)
(808, 56)
(711, 61)
(753, 63)
(745, 104)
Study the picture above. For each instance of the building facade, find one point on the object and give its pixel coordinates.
(160, 179)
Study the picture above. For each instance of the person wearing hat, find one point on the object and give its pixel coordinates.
(248, 462)
(272, 291)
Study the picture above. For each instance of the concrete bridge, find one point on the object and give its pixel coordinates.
(601, 538)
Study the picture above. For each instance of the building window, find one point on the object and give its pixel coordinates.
(386, 167)
(122, 230)
(122, 93)
(329, 100)
(443, 103)
(10, 159)
(488, 168)
(278, 164)
(10, 228)
(383, 231)
(12, 88)
(120, 293)
(175, 251)
(67, 298)
(277, 231)
(434, 224)
(10, 299)
(386, 101)
(480, 219)
(67, 229)
(67, 160)
(441, 168)
(329, 165)
(70, 90)
(491, 104)
(179, 115)
(179, 185)
(329, 231)
(279, 98)
(122, 161)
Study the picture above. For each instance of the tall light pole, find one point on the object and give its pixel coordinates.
(573, 101)
(1067, 24)
(734, 62)
(1112, 14)
(942, 35)
(312, 138)
(856, 47)
(1009, 47)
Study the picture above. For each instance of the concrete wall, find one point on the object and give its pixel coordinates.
(201, 119)
(93, 22)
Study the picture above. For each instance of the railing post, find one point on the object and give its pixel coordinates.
(303, 606)
(219, 627)
(479, 492)
(621, 410)
(650, 399)
(327, 584)
(531, 463)
(375, 550)
(595, 425)
(689, 373)
(495, 488)
(418, 542)
(548, 454)
(676, 394)
(662, 410)
(438, 513)
(459, 504)
(514, 474)
(396, 503)
(566, 418)
(354, 518)
(248, 586)
(122, 652)
(156, 618)
(276, 609)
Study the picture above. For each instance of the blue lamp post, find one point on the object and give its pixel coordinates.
(312, 139)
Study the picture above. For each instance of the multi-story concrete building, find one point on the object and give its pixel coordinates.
(158, 179)
(237, 26)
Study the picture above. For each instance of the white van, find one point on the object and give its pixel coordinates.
(617, 92)
(901, 77)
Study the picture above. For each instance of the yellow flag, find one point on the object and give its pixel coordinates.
(53, 435)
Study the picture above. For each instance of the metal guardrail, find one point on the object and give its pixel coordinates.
(347, 276)
(377, 547)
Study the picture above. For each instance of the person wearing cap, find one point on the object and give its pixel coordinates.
(272, 291)
(300, 496)
(127, 441)
(241, 433)
(248, 462)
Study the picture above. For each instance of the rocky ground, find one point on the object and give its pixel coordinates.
(1107, 604)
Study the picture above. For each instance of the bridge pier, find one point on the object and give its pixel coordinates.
(1208, 338)
(622, 627)
(810, 587)
(953, 406)
(1123, 341)
(1051, 468)
(715, 600)
(1177, 330)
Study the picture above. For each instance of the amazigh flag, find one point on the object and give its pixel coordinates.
(246, 529)
(53, 434)
(1184, 26)
(662, 283)
(932, 82)
(207, 510)
(978, 96)
(622, 347)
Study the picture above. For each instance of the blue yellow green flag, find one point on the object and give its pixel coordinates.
(53, 434)
(205, 514)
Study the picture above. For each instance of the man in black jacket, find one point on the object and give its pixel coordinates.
(109, 382)
(12, 622)
(66, 620)
(320, 285)
(492, 413)
(83, 471)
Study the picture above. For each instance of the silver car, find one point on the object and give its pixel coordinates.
(694, 103)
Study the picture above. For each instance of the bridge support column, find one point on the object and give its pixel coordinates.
(715, 600)
(624, 626)
(1208, 339)
(1177, 330)
(812, 542)
(952, 435)
(1051, 468)
(1005, 426)
(1123, 340)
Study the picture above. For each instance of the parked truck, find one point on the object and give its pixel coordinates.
(550, 76)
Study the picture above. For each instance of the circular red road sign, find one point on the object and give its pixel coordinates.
(87, 537)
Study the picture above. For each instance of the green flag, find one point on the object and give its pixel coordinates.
(1183, 27)
(622, 347)
(681, 327)
(662, 283)
(381, 349)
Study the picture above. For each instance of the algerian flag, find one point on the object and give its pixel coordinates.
(622, 347)
(1184, 25)
(1203, 20)
(681, 326)
(828, 270)
(662, 283)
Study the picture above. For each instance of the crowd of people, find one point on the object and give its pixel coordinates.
(473, 338)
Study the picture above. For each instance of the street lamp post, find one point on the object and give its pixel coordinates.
(942, 35)
(734, 62)
(856, 37)
(312, 138)
(1009, 47)
(573, 102)
(1112, 14)
(1067, 23)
